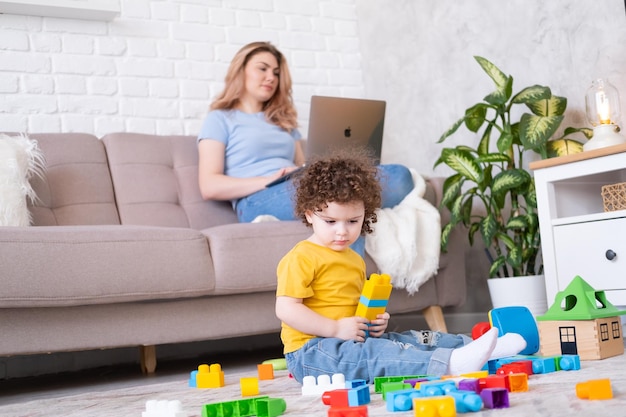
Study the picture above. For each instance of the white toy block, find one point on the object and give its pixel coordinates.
(164, 408)
(311, 386)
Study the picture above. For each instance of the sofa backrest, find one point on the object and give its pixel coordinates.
(155, 179)
(76, 187)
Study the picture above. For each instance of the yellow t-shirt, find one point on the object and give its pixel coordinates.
(329, 282)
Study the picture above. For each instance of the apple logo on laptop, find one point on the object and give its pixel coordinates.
(347, 132)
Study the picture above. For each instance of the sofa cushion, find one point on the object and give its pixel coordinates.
(156, 182)
(245, 255)
(76, 187)
(79, 265)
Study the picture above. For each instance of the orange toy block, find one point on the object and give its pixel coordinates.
(266, 371)
(210, 376)
(249, 386)
(595, 389)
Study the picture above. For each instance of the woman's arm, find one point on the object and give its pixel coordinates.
(292, 312)
(214, 185)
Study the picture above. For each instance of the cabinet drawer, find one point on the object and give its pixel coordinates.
(581, 249)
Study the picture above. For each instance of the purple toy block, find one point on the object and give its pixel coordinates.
(469, 385)
(495, 397)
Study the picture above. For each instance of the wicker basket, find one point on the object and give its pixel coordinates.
(614, 196)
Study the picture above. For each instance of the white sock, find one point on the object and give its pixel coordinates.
(509, 344)
(472, 357)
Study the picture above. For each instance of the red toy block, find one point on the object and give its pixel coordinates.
(360, 411)
(494, 381)
(266, 371)
(347, 397)
(480, 329)
(525, 367)
(595, 389)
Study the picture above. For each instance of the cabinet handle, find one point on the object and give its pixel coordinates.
(610, 255)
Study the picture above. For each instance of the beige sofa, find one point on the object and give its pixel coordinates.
(124, 252)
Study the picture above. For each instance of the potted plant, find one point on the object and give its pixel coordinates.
(493, 172)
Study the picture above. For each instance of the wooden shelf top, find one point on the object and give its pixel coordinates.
(594, 153)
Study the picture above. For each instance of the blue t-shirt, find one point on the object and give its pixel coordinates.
(254, 147)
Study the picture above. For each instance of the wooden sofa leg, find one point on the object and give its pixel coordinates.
(148, 361)
(434, 318)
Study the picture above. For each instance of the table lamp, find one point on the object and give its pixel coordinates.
(603, 112)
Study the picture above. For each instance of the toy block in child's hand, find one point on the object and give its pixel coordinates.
(374, 297)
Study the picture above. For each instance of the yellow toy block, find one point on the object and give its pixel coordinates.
(595, 389)
(438, 406)
(378, 287)
(249, 386)
(210, 376)
(369, 313)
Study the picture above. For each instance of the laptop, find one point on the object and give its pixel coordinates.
(337, 123)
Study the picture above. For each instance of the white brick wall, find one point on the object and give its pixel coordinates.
(156, 68)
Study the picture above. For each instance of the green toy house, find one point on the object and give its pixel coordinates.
(581, 322)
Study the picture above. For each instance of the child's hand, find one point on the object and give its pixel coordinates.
(378, 326)
(351, 328)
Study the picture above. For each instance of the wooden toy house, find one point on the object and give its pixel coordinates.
(581, 322)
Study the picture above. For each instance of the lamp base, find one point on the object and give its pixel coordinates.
(603, 136)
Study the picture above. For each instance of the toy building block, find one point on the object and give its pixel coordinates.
(518, 382)
(265, 371)
(595, 389)
(436, 388)
(279, 364)
(163, 408)
(517, 319)
(323, 383)
(414, 382)
(469, 384)
(480, 329)
(210, 376)
(355, 383)
(388, 387)
(466, 401)
(494, 381)
(476, 375)
(442, 406)
(360, 411)
(568, 363)
(401, 400)
(374, 296)
(249, 386)
(347, 397)
(237, 408)
(270, 407)
(543, 365)
(380, 380)
(516, 367)
(495, 397)
(584, 318)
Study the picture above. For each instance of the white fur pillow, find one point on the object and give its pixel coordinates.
(20, 159)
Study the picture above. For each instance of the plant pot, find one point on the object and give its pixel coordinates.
(529, 291)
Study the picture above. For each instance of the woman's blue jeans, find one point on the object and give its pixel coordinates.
(278, 201)
(407, 353)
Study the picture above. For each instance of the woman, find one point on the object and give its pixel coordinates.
(250, 138)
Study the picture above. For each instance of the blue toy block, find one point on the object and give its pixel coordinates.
(372, 303)
(359, 396)
(544, 365)
(517, 319)
(568, 363)
(401, 400)
(192, 379)
(436, 388)
(355, 383)
(466, 401)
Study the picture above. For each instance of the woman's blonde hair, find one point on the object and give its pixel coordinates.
(279, 109)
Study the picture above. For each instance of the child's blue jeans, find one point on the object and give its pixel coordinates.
(398, 354)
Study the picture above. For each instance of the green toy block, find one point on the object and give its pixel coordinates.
(270, 407)
(237, 408)
(380, 380)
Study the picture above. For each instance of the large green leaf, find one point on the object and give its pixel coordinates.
(498, 77)
(561, 147)
(451, 189)
(462, 162)
(551, 106)
(451, 130)
(488, 228)
(531, 94)
(509, 179)
(493, 158)
(475, 117)
(534, 131)
(501, 95)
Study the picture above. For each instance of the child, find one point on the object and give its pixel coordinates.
(320, 282)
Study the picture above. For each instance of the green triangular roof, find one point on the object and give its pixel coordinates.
(582, 302)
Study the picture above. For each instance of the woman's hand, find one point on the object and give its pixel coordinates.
(351, 328)
(378, 326)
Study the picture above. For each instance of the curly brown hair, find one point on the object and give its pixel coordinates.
(339, 179)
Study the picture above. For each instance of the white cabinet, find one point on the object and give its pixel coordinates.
(578, 237)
